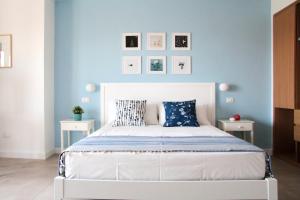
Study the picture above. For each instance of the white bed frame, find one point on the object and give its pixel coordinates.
(204, 93)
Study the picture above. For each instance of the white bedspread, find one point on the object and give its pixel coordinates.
(178, 166)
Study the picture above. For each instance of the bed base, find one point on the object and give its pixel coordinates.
(162, 190)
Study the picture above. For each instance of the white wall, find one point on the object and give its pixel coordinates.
(22, 87)
(49, 33)
(277, 5)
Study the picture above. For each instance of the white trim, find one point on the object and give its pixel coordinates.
(27, 154)
(159, 190)
(204, 93)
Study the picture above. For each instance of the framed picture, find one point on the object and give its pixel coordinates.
(131, 41)
(132, 65)
(156, 65)
(156, 41)
(5, 51)
(181, 65)
(181, 41)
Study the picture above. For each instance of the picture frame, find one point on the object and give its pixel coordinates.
(156, 41)
(131, 41)
(181, 65)
(131, 65)
(156, 64)
(181, 41)
(5, 50)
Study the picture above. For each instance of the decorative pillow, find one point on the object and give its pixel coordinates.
(182, 113)
(201, 113)
(130, 113)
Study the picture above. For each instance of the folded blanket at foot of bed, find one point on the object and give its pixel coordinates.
(162, 144)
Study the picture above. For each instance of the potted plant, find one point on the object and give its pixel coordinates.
(77, 113)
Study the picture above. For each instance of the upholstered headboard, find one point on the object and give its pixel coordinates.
(204, 93)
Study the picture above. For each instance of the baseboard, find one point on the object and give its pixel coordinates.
(27, 155)
(24, 155)
(57, 150)
(269, 151)
(50, 153)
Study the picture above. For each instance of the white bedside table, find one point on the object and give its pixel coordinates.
(86, 126)
(241, 125)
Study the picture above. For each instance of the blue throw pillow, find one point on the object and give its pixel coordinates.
(181, 113)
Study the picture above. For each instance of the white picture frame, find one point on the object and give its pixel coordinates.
(156, 41)
(181, 65)
(181, 41)
(156, 64)
(131, 65)
(131, 41)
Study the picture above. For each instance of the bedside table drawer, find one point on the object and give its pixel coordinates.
(238, 126)
(75, 126)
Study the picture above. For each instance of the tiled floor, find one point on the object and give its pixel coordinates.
(33, 179)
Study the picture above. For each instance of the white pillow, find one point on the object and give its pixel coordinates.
(151, 115)
(201, 112)
(161, 114)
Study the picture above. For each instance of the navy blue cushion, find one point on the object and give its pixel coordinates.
(181, 113)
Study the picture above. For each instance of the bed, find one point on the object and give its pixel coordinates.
(112, 173)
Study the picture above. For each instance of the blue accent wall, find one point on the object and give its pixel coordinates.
(231, 42)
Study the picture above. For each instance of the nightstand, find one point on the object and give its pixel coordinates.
(86, 126)
(241, 125)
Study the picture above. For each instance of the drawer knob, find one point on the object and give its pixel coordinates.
(240, 127)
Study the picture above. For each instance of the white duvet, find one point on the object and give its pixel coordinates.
(158, 130)
(175, 166)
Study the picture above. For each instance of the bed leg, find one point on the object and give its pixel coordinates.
(59, 188)
(272, 189)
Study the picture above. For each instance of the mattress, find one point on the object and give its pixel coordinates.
(164, 166)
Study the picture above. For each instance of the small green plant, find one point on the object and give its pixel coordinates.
(77, 110)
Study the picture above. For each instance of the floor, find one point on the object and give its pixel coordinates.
(22, 179)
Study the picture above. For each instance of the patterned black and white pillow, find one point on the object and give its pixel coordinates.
(130, 113)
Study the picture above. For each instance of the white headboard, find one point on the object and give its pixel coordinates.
(204, 93)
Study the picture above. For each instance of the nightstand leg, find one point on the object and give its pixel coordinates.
(252, 137)
(62, 140)
(69, 138)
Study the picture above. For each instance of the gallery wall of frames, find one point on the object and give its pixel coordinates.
(156, 64)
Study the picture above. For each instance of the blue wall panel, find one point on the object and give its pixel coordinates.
(230, 43)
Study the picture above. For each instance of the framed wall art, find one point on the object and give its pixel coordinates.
(156, 41)
(181, 65)
(156, 65)
(181, 41)
(131, 41)
(5, 51)
(132, 65)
